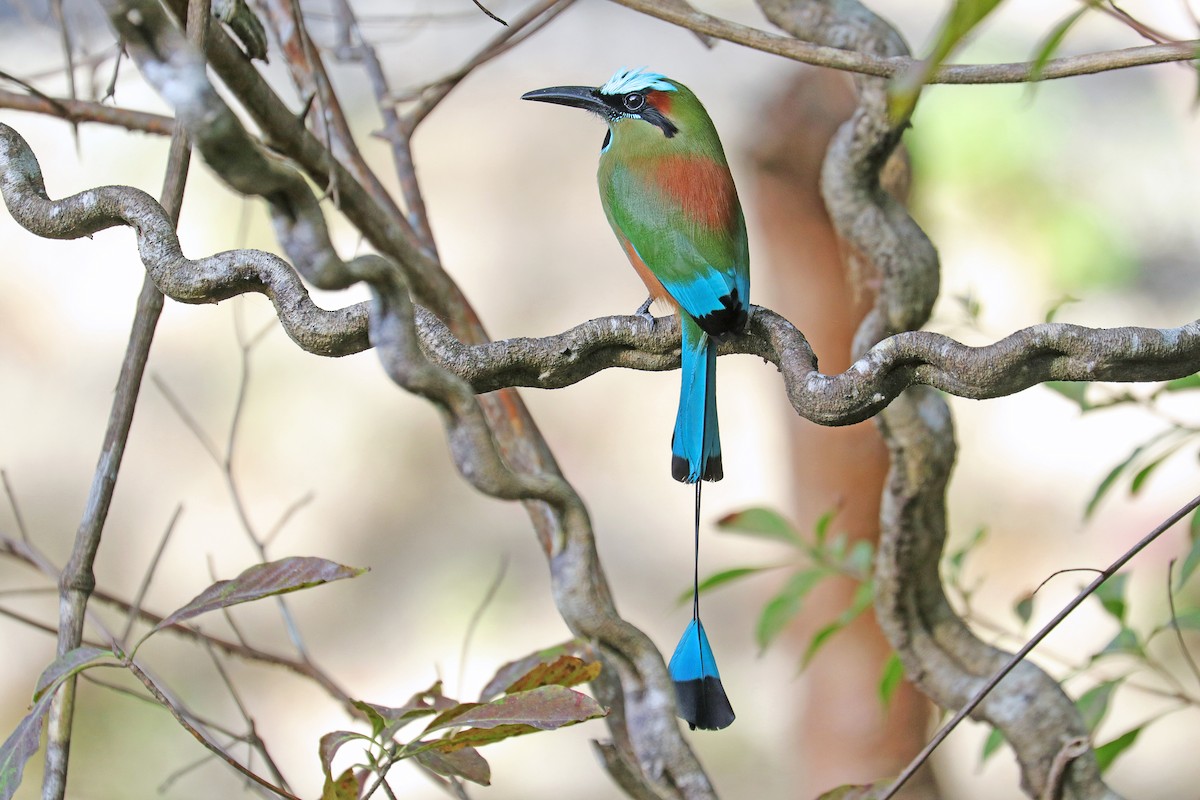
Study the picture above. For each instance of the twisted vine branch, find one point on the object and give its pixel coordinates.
(939, 652)
(1044, 352)
(438, 350)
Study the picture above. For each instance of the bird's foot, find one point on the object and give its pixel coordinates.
(643, 311)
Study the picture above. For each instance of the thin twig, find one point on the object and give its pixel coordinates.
(286, 516)
(186, 417)
(417, 218)
(488, 596)
(77, 111)
(64, 32)
(78, 581)
(1058, 572)
(251, 738)
(150, 570)
(482, 8)
(1020, 655)
(199, 735)
(16, 509)
(1183, 648)
(882, 67)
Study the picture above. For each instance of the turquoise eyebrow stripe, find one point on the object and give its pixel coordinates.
(636, 80)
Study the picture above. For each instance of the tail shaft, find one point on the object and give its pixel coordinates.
(699, 695)
(696, 443)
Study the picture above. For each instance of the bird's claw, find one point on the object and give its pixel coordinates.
(643, 311)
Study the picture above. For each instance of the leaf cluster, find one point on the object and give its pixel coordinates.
(818, 557)
(534, 694)
(537, 698)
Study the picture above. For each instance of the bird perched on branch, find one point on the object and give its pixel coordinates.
(669, 196)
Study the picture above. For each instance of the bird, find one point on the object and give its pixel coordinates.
(669, 195)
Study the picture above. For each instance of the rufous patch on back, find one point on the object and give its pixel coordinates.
(703, 188)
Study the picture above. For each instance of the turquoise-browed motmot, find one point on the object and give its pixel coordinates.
(669, 196)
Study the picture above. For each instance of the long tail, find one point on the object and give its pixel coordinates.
(696, 444)
(698, 692)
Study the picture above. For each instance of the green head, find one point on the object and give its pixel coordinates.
(646, 112)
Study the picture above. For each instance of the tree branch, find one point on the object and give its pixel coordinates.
(77, 111)
(493, 441)
(939, 652)
(837, 55)
(1050, 351)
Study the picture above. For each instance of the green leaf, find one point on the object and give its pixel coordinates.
(1188, 620)
(1111, 595)
(991, 744)
(348, 786)
(563, 671)
(861, 600)
(957, 557)
(720, 579)
(1124, 643)
(71, 663)
(785, 605)
(1192, 559)
(1182, 384)
(835, 549)
(859, 562)
(1093, 704)
(464, 762)
(387, 721)
(1024, 609)
(262, 580)
(964, 15)
(1075, 391)
(1116, 471)
(1046, 50)
(864, 791)
(21, 745)
(1136, 484)
(329, 745)
(1058, 304)
(762, 523)
(890, 680)
(543, 708)
(1107, 753)
(821, 526)
(514, 669)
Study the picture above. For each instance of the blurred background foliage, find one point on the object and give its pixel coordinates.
(1084, 187)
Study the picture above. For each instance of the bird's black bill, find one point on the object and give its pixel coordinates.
(575, 96)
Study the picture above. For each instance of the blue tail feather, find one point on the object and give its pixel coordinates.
(696, 444)
(698, 692)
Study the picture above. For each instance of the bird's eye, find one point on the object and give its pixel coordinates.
(635, 101)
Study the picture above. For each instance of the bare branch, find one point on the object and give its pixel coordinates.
(23, 552)
(78, 580)
(200, 736)
(834, 56)
(205, 280)
(1052, 785)
(1050, 351)
(493, 441)
(79, 111)
(939, 652)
